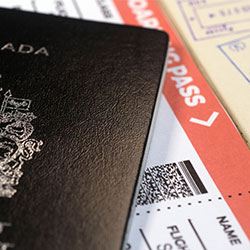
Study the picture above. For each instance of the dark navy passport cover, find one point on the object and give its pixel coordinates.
(77, 101)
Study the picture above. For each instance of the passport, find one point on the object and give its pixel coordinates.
(78, 103)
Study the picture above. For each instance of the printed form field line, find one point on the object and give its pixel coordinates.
(145, 239)
(78, 10)
(197, 235)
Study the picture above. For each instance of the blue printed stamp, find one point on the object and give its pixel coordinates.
(214, 18)
(238, 53)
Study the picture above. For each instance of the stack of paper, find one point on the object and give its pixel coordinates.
(217, 34)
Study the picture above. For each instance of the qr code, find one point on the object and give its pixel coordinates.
(169, 181)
